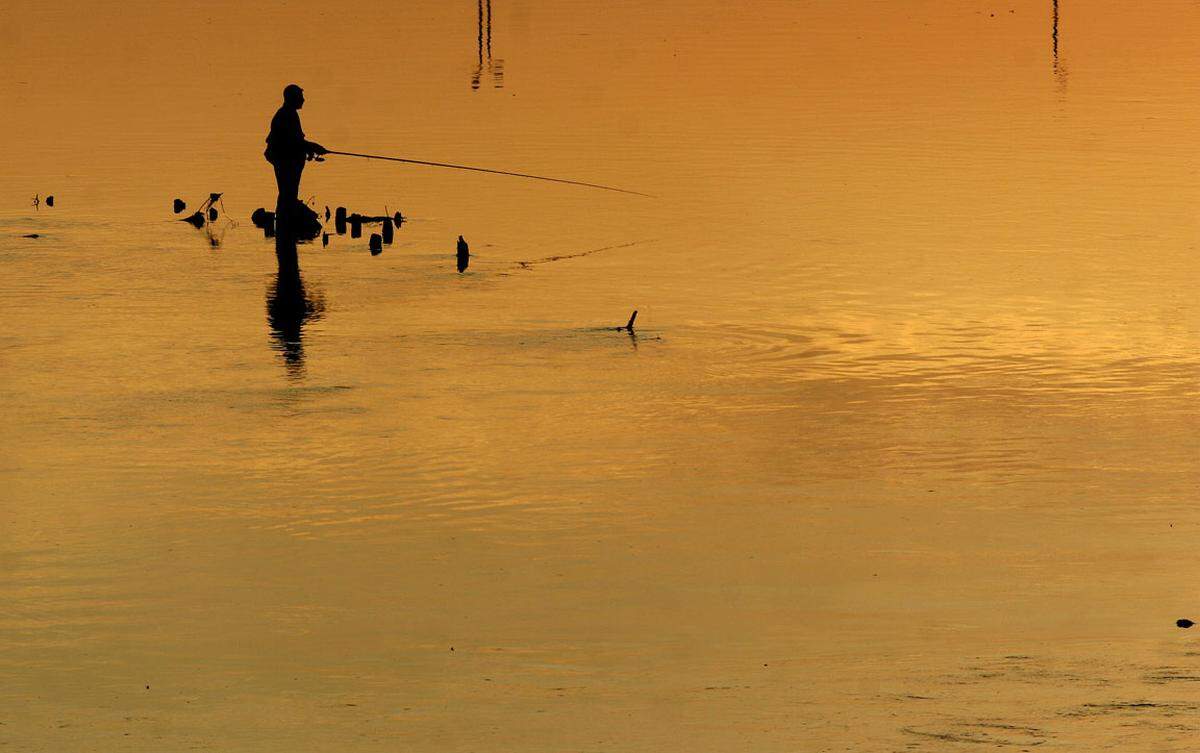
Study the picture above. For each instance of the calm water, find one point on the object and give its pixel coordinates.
(903, 455)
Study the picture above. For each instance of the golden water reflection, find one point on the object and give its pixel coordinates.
(902, 456)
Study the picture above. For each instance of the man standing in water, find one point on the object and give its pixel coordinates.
(287, 151)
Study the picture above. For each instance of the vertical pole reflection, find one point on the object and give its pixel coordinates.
(1054, 33)
(479, 42)
(1060, 71)
(483, 44)
(290, 306)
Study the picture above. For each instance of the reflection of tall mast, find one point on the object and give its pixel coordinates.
(1054, 34)
(478, 44)
(1060, 70)
(483, 42)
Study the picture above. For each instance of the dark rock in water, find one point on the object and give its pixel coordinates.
(376, 244)
(1185, 623)
(212, 214)
(49, 201)
(327, 213)
(325, 240)
(212, 197)
(304, 223)
(389, 231)
(355, 226)
(196, 219)
(398, 219)
(464, 254)
(340, 215)
(179, 205)
(262, 218)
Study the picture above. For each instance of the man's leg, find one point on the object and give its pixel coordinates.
(287, 177)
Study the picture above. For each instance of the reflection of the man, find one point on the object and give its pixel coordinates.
(290, 306)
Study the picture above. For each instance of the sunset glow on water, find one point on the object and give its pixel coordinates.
(901, 453)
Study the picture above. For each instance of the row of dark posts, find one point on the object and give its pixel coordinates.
(343, 222)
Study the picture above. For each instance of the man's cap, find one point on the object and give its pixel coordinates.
(292, 90)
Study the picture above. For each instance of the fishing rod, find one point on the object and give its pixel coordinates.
(486, 170)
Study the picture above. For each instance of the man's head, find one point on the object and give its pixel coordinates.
(293, 96)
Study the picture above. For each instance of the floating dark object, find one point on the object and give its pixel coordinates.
(340, 215)
(355, 226)
(214, 197)
(262, 218)
(49, 201)
(629, 324)
(376, 244)
(305, 224)
(196, 219)
(31, 235)
(179, 205)
(463, 255)
(212, 214)
(324, 240)
(389, 231)
(398, 219)
(1185, 623)
(327, 213)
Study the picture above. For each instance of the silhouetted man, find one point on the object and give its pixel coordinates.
(287, 150)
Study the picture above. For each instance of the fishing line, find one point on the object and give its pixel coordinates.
(486, 170)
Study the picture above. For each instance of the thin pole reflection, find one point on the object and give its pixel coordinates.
(1060, 70)
(483, 44)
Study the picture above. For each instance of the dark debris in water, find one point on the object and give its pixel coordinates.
(983, 733)
(1171, 675)
(1131, 708)
(1184, 623)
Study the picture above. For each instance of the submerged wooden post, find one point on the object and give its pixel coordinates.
(462, 255)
